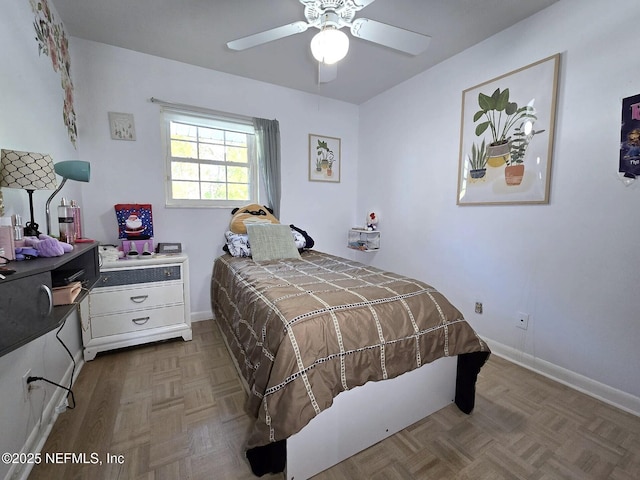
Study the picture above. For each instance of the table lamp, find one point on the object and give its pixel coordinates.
(29, 171)
(70, 170)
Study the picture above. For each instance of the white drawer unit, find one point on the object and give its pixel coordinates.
(138, 301)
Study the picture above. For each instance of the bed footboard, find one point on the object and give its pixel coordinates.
(354, 423)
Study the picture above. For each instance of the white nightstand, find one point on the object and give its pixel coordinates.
(138, 301)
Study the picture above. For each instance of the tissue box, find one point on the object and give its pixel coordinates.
(139, 246)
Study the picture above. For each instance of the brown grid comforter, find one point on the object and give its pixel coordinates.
(302, 331)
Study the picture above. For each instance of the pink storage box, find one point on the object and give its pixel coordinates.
(140, 245)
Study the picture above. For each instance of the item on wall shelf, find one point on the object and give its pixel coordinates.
(506, 137)
(135, 221)
(29, 171)
(372, 221)
(324, 158)
(77, 170)
(630, 139)
(122, 126)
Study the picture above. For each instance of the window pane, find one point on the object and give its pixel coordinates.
(238, 191)
(184, 149)
(211, 135)
(237, 154)
(238, 174)
(182, 131)
(211, 152)
(214, 191)
(185, 190)
(235, 138)
(208, 164)
(213, 173)
(184, 171)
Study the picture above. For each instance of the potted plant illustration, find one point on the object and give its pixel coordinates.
(514, 170)
(323, 153)
(499, 115)
(330, 161)
(478, 161)
(318, 164)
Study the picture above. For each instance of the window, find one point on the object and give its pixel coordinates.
(210, 160)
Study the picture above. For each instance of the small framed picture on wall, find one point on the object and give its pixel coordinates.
(324, 158)
(122, 126)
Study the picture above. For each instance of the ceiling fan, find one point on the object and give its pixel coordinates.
(331, 44)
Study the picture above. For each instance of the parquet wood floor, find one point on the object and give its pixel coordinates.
(174, 410)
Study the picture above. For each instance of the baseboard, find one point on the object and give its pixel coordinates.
(617, 398)
(201, 316)
(41, 430)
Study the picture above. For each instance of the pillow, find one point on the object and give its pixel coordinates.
(237, 244)
(271, 242)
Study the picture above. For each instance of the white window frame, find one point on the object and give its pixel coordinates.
(216, 120)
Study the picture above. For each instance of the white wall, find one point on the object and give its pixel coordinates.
(573, 264)
(114, 79)
(31, 102)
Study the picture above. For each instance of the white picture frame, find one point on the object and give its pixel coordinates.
(122, 126)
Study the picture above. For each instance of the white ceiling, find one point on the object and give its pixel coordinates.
(196, 32)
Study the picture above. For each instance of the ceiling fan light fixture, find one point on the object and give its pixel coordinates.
(329, 45)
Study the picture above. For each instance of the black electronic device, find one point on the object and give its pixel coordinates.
(169, 248)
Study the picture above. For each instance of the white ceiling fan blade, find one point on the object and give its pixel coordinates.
(362, 3)
(268, 36)
(390, 36)
(327, 73)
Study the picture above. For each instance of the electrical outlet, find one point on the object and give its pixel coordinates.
(522, 320)
(25, 386)
(479, 307)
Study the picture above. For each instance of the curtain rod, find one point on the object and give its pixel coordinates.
(207, 111)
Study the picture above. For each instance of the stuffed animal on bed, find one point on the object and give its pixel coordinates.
(250, 213)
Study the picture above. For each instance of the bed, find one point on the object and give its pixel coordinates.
(316, 331)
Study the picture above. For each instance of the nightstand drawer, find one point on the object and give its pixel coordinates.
(113, 301)
(136, 321)
(133, 276)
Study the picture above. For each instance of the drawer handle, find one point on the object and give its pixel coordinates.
(167, 273)
(141, 320)
(139, 298)
(49, 293)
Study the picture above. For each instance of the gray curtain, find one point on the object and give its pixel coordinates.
(268, 149)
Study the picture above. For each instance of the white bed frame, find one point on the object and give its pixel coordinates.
(363, 416)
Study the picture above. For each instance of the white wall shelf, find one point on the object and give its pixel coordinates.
(364, 240)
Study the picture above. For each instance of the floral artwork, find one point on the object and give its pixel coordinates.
(53, 42)
(324, 158)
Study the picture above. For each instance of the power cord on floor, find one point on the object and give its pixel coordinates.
(73, 370)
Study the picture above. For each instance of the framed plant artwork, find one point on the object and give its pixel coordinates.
(506, 137)
(122, 126)
(324, 158)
